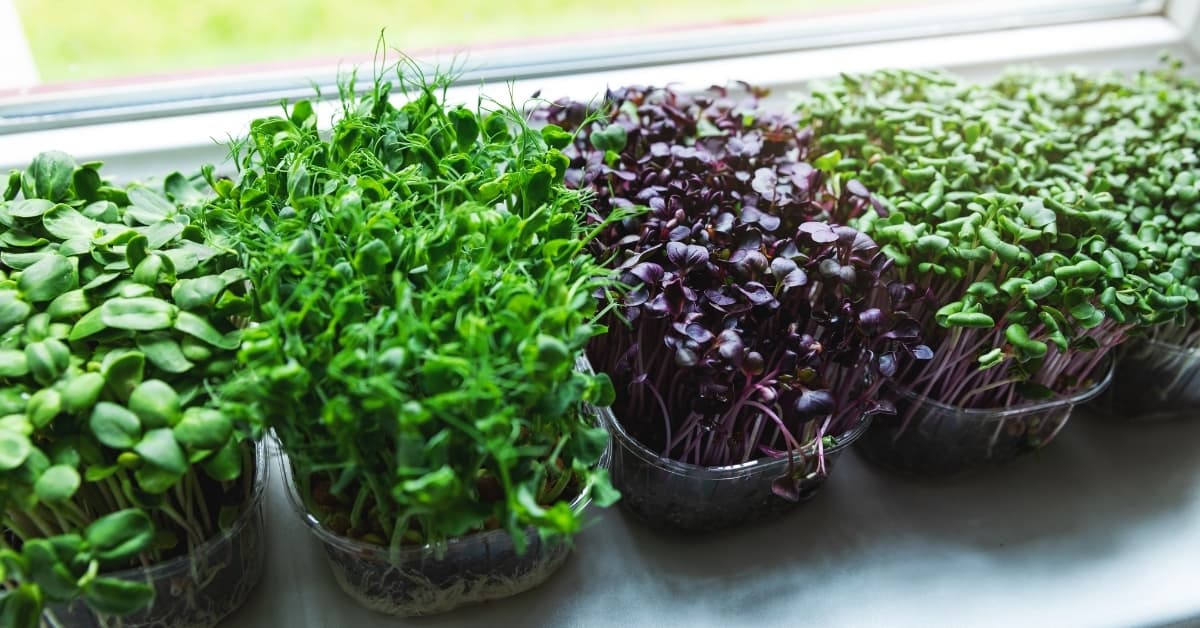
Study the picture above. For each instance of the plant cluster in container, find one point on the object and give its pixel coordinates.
(753, 330)
(1137, 138)
(421, 302)
(1032, 275)
(125, 491)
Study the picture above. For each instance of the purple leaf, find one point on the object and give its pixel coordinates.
(685, 357)
(907, 329)
(719, 297)
(756, 293)
(871, 320)
(648, 272)
(855, 187)
(781, 267)
(699, 333)
(922, 352)
(637, 296)
(887, 364)
(769, 222)
(686, 255)
(680, 233)
(820, 232)
(658, 306)
(750, 263)
(723, 223)
(814, 403)
(829, 268)
(764, 183)
(729, 345)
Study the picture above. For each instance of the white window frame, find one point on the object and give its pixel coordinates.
(140, 147)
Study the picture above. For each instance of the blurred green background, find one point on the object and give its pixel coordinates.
(75, 40)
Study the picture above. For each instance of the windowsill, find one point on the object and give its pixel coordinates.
(142, 147)
(1101, 528)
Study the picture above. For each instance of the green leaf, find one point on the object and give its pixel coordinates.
(829, 161)
(48, 572)
(466, 127)
(588, 444)
(180, 190)
(12, 363)
(156, 404)
(600, 391)
(47, 359)
(201, 292)
(57, 484)
(159, 234)
(123, 371)
(200, 328)
(21, 608)
(136, 250)
(43, 406)
(97, 473)
(65, 223)
(101, 280)
(88, 325)
(14, 449)
(69, 305)
(433, 488)
(163, 352)
(149, 271)
(602, 491)
(30, 208)
(226, 464)
(10, 192)
(13, 309)
(115, 426)
(556, 137)
(138, 314)
(120, 536)
(117, 597)
(611, 138)
(373, 258)
(203, 428)
(148, 207)
(49, 176)
(156, 480)
(160, 448)
(47, 278)
(87, 182)
(103, 211)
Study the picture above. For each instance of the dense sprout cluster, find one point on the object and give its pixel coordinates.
(420, 305)
(1137, 137)
(1032, 273)
(752, 323)
(116, 324)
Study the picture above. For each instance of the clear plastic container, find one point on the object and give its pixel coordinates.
(671, 494)
(193, 591)
(942, 440)
(420, 581)
(1154, 381)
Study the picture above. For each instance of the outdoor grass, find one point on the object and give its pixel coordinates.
(80, 40)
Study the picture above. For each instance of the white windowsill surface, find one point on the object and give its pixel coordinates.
(144, 147)
(1101, 528)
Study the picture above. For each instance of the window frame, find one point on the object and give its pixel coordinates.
(141, 142)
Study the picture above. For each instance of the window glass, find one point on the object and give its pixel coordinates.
(81, 61)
